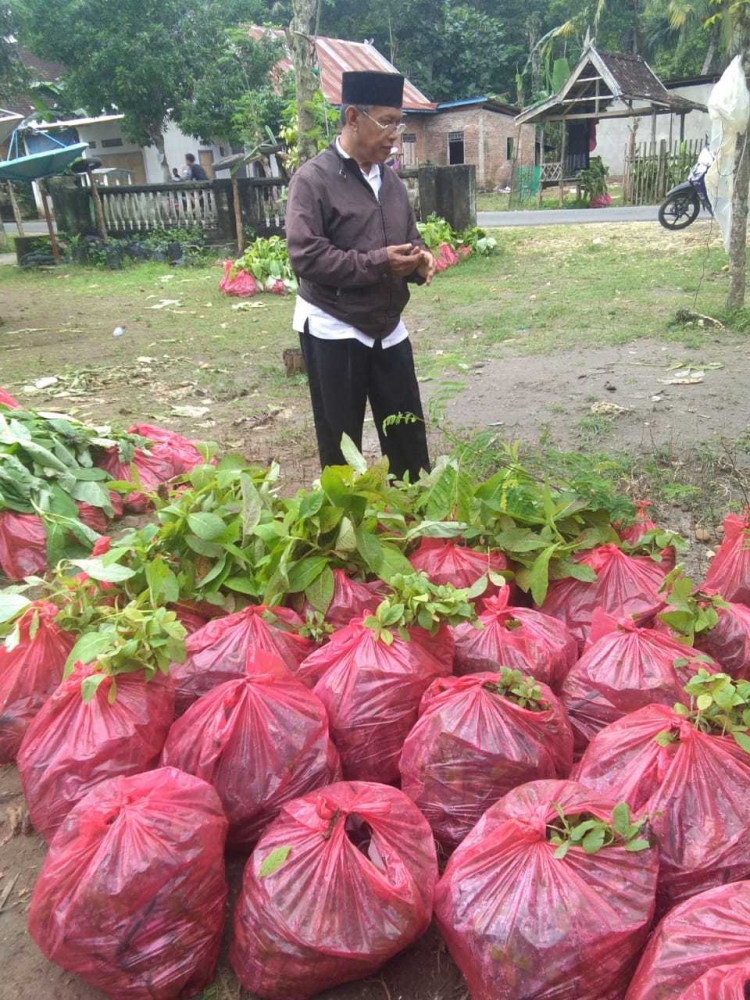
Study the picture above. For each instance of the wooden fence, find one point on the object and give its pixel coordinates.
(136, 208)
(652, 169)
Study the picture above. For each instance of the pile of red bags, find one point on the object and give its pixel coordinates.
(447, 561)
(521, 638)
(224, 649)
(23, 545)
(7, 400)
(260, 741)
(624, 584)
(72, 745)
(520, 922)
(371, 690)
(240, 283)
(342, 881)
(627, 666)
(31, 667)
(351, 599)
(705, 933)
(694, 787)
(473, 743)
(168, 455)
(131, 896)
(729, 572)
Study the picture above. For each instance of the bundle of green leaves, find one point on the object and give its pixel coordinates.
(593, 834)
(268, 262)
(415, 601)
(690, 612)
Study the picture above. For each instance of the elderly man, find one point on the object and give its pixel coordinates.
(354, 245)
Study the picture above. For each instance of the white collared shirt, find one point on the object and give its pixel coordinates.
(326, 327)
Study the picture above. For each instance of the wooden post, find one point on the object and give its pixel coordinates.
(563, 155)
(682, 128)
(661, 172)
(16, 210)
(238, 216)
(541, 170)
(98, 208)
(653, 129)
(627, 194)
(50, 224)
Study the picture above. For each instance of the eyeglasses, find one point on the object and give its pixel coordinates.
(398, 127)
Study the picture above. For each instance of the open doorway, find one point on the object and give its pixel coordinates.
(456, 148)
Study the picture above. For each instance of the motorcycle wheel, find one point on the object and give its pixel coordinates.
(679, 211)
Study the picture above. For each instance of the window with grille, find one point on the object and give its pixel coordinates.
(510, 144)
(109, 143)
(92, 145)
(409, 147)
(456, 147)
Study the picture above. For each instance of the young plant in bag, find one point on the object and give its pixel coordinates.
(128, 640)
(718, 705)
(519, 688)
(690, 612)
(592, 834)
(417, 602)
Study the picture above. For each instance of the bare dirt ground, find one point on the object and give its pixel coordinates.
(226, 369)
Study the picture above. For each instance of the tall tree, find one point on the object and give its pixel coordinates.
(13, 76)
(300, 37)
(142, 57)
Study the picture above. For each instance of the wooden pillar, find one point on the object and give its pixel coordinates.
(563, 156)
(50, 224)
(98, 208)
(653, 129)
(682, 128)
(627, 193)
(238, 216)
(541, 169)
(16, 210)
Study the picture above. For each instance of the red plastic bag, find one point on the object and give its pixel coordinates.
(710, 930)
(625, 668)
(727, 982)
(521, 923)
(342, 881)
(260, 741)
(642, 525)
(131, 896)
(695, 791)
(729, 641)
(225, 648)
(627, 584)
(521, 638)
(473, 744)
(448, 254)
(71, 745)
(31, 667)
(351, 599)
(195, 614)
(372, 691)
(7, 400)
(174, 448)
(446, 561)
(23, 545)
(729, 572)
(241, 284)
(93, 517)
(168, 455)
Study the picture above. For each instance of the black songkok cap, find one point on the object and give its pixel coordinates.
(382, 90)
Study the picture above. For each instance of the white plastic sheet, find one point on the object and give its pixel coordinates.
(729, 108)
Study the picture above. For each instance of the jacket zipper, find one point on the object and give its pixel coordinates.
(361, 179)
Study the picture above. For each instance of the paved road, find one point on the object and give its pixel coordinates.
(567, 216)
(488, 220)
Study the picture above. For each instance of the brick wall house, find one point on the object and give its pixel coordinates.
(478, 131)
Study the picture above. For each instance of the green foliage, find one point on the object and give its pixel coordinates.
(690, 611)
(718, 705)
(325, 116)
(594, 179)
(436, 232)
(268, 261)
(518, 688)
(416, 601)
(591, 834)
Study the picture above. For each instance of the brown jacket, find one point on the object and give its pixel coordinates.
(338, 231)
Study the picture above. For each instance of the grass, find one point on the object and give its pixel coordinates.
(497, 201)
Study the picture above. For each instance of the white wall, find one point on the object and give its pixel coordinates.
(613, 134)
(176, 144)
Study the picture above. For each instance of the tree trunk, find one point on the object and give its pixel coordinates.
(16, 210)
(301, 42)
(709, 55)
(738, 233)
(157, 137)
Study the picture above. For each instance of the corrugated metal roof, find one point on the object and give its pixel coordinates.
(337, 56)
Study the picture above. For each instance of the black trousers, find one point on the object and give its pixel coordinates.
(343, 375)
